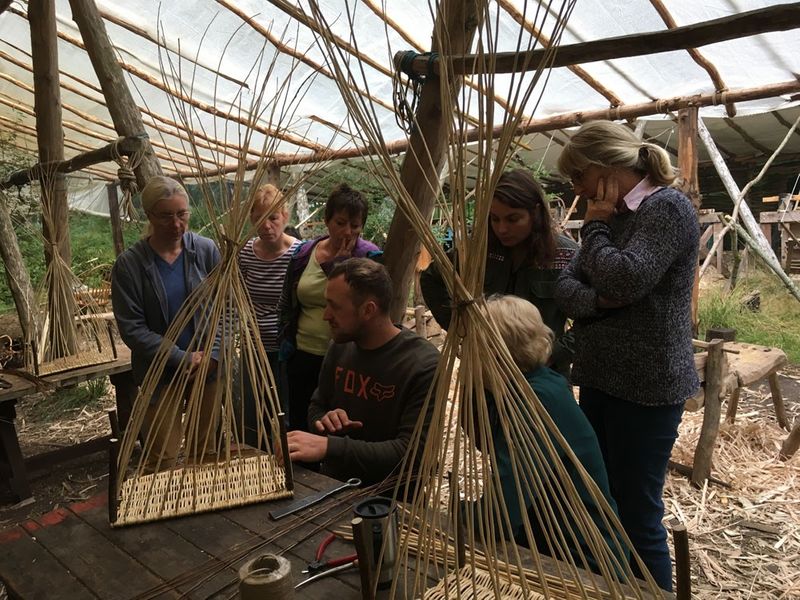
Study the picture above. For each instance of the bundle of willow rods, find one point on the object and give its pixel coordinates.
(216, 470)
(486, 365)
(67, 331)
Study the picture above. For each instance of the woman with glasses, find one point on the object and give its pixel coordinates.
(525, 257)
(304, 333)
(629, 290)
(149, 283)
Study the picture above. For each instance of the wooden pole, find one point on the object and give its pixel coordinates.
(704, 452)
(683, 571)
(273, 174)
(124, 112)
(19, 281)
(124, 146)
(791, 444)
(49, 132)
(750, 223)
(769, 260)
(457, 22)
(775, 18)
(116, 221)
(554, 122)
(687, 165)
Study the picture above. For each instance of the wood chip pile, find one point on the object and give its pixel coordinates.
(744, 541)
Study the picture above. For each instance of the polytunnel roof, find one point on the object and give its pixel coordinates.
(221, 42)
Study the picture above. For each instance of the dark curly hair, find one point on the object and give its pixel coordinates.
(345, 198)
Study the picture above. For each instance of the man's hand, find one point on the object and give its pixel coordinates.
(604, 206)
(336, 421)
(304, 447)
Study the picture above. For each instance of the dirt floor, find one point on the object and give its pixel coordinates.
(744, 541)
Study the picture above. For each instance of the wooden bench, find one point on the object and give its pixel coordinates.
(725, 368)
(13, 465)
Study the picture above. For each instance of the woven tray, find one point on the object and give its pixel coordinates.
(469, 584)
(202, 488)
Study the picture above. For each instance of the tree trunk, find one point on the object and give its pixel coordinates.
(19, 281)
(49, 133)
(423, 160)
(124, 113)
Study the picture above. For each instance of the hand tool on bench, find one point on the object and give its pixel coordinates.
(312, 500)
(319, 564)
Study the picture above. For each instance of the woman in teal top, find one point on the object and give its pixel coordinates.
(531, 342)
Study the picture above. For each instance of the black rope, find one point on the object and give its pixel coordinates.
(406, 94)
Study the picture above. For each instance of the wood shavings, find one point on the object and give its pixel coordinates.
(745, 541)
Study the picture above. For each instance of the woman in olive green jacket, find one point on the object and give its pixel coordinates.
(525, 257)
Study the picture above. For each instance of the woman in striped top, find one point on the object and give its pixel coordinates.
(263, 262)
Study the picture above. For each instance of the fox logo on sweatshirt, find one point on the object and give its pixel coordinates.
(359, 385)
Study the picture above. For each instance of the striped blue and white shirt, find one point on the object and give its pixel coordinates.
(264, 281)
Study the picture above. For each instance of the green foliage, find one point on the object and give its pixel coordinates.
(776, 323)
(92, 250)
(60, 403)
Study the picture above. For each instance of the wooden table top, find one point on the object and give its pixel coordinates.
(73, 553)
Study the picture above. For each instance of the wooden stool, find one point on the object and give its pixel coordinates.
(751, 364)
(727, 367)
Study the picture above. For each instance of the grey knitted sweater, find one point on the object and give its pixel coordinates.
(646, 259)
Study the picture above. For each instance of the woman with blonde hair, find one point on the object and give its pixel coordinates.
(629, 291)
(263, 262)
(149, 283)
(531, 342)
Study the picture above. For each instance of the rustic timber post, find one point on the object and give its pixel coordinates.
(687, 165)
(116, 221)
(49, 133)
(746, 215)
(19, 281)
(457, 22)
(124, 113)
(273, 174)
(701, 470)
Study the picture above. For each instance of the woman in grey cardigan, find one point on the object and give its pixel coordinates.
(629, 292)
(149, 283)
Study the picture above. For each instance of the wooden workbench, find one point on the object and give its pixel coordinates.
(72, 553)
(15, 467)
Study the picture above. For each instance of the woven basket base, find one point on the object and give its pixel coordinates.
(76, 361)
(469, 584)
(202, 488)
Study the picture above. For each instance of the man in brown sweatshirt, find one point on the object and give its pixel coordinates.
(373, 384)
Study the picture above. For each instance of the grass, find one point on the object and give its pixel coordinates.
(776, 323)
(62, 402)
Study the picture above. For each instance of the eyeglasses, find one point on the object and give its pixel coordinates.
(181, 215)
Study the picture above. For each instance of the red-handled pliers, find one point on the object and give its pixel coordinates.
(320, 565)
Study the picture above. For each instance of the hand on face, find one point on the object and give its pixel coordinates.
(604, 205)
(336, 421)
(303, 447)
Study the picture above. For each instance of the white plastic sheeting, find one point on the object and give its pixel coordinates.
(222, 41)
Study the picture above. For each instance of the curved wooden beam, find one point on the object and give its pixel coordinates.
(545, 40)
(701, 60)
